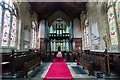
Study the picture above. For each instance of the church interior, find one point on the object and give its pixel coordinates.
(76, 40)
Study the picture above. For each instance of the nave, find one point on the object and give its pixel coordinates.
(86, 34)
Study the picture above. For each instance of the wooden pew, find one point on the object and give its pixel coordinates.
(86, 64)
(17, 63)
(114, 59)
(42, 56)
(97, 62)
(75, 55)
(71, 57)
(9, 57)
(47, 57)
(52, 56)
(31, 65)
(66, 56)
(5, 58)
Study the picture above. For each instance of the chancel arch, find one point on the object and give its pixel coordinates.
(59, 35)
(59, 14)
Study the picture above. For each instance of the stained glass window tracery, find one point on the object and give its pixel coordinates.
(6, 28)
(13, 31)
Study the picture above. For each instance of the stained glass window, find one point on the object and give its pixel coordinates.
(35, 40)
(13, 31)
(11, 3)
(112, 26)
(6, 28)
(9, 23)
(86, 34)
(7, 2)
(117, 12)
(0, 17)
(33, 36)
(110, 2)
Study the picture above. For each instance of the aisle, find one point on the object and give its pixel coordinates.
(58, 70)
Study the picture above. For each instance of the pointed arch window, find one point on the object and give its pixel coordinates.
(112, 23)
(0, 18)
(6, 28)
(86, 34)
(13, 31)
(33, 36)
(118, 13)
(8, 23)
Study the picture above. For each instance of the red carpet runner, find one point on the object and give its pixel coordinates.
(59, 70)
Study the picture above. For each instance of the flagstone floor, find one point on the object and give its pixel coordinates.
(77, 72)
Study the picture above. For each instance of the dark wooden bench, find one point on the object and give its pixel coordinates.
(17, 63)
(47, 57)
(71, 57)
(66, 56)
(98, 62)
(42, 56)
(86, 64)
(75, 55)
(31, 65)
(52, 56)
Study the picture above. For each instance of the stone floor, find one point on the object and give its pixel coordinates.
(77, 72)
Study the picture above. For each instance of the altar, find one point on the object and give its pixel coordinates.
(59, 54)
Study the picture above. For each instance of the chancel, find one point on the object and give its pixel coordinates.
(66, 40)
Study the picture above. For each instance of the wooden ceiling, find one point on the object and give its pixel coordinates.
(46, 9)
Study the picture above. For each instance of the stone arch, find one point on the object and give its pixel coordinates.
(59, 14)
(17, 9)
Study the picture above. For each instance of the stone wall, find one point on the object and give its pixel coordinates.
(26, 25)
(76, 28)
(95, 19)
(41, 35)
(97, 16)
(42, 29)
